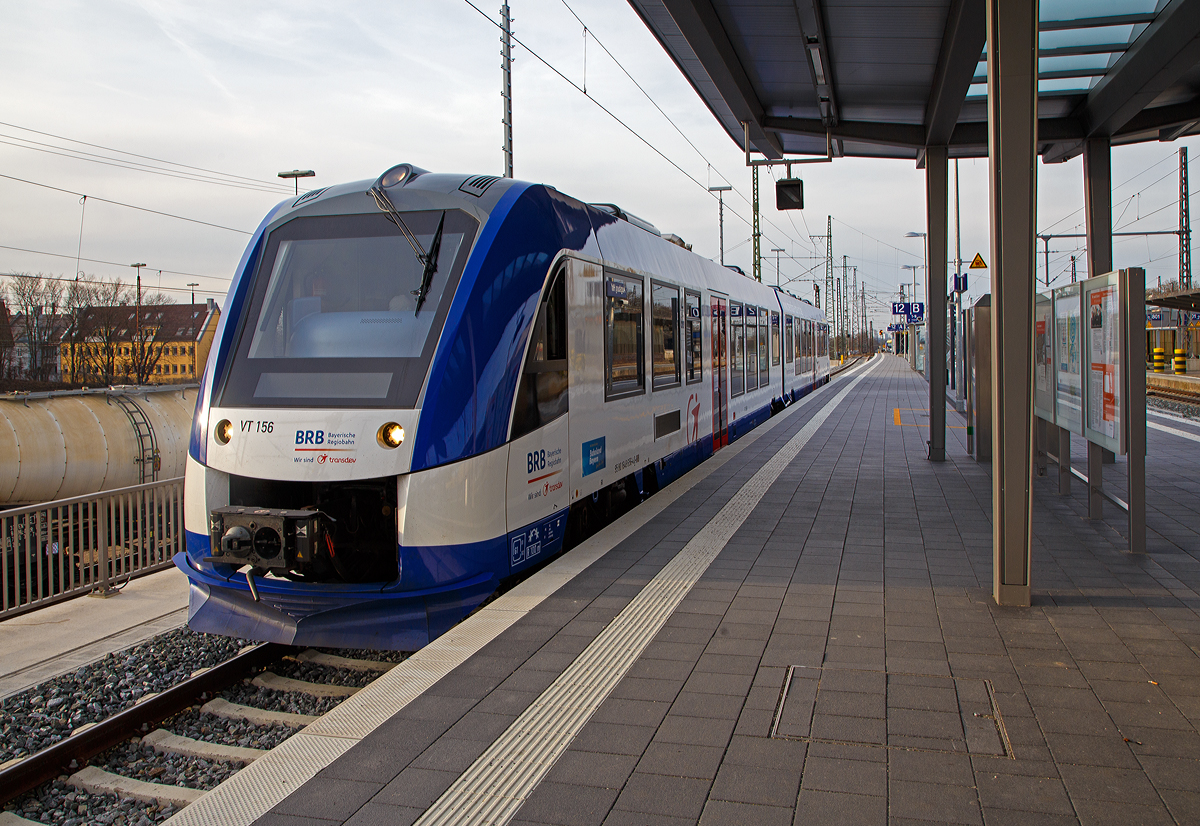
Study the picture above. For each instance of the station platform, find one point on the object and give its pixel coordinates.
(50, 641)
(800, 631)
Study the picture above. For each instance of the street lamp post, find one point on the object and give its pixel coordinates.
(721, 190)
(137, 344)
(777, 251)
(296, 175)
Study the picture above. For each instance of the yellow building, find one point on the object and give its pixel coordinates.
(170, 345)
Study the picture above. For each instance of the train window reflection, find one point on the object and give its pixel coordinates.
(624, 362)
(664, 334)
(775, 339)
(693, 338)
(542, 396)
(738, 366)
(751, 347)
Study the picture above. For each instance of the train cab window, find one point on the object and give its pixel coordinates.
(693, 339)
(542, 396)
(775, 333)
(624, 360)
(788, 339)
(666, 355)
(737, 368)
(751, 347)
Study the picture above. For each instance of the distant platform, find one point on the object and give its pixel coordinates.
(62, 637)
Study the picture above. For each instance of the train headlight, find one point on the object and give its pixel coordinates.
(390, 435)
(224, 431)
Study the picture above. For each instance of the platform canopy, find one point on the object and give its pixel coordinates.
(886, 78)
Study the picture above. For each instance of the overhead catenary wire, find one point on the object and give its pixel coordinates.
(65, 280)
(272, 185)
(111, 263)
(128, 206)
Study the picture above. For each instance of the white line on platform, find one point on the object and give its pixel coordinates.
(495, 786)
(1183, 434)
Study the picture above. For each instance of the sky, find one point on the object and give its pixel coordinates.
(245, 90)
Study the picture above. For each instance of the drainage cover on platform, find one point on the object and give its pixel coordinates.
(889, 710)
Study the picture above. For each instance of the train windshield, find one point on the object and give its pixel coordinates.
(333, 318)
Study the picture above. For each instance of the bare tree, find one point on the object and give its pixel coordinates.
(6, 336)
(147, 348)
(38, 298)
(78, 300)
(109, 321)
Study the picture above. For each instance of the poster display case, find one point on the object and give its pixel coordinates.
(1104, 346)
(1068, 359)
(1043, 356)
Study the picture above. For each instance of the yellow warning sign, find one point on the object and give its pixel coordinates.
(977, 263)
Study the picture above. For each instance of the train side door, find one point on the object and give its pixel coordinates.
(538, 470)
(720, 379)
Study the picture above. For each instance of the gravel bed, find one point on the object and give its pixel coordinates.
(367, 654)
(46, 713)
(140, 762)
(289, 701)
(61, 805)
(212, 729)
(324, 674)
(1190, 411)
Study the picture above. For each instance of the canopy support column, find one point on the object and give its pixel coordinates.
(937, 218)
(1097, 207)
(1012, 39)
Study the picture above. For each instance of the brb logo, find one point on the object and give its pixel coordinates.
(310, 437)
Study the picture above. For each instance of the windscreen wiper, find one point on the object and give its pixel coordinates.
(428, 260)
(430, 265)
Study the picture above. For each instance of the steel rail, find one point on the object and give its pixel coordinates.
(75, 750)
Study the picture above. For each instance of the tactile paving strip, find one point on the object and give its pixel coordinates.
(493, 788)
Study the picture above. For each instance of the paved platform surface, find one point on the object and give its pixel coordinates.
(838, 661)
(62, 637)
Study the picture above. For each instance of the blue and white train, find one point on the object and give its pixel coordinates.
(422, 383)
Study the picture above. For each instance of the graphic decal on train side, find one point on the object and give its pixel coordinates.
(693, 412)
(536, 462)
(545, 535)
(593, 456)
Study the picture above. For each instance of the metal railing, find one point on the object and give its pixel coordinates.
(87, 544)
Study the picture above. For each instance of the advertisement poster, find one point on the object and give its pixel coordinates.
(1043, 357)
(1068, 359)
(1102, 300)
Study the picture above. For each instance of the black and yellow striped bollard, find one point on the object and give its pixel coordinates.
(1160, 360)
(1180, 362)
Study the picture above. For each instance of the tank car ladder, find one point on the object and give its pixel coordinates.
(148, 458)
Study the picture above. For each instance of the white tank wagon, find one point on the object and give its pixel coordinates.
(74, 442)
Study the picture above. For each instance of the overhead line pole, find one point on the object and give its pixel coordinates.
(506, 91)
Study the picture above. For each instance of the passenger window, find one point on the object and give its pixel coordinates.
(542, 396)
(737, 384)
(665, 354)
(751, 348)
(762, 347)
(787, 340)
(693, 338)
(775, 339)
(624, 359)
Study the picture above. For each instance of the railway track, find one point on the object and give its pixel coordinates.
(128, 761)
(1174, 395)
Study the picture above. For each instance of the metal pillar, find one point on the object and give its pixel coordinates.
(1097, 207)
(1012, 52)
(757, 234)
(1064, 461)
(506, 92)
(936, 233)
(1135, 394)
(829, 294)
(1185, 224)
